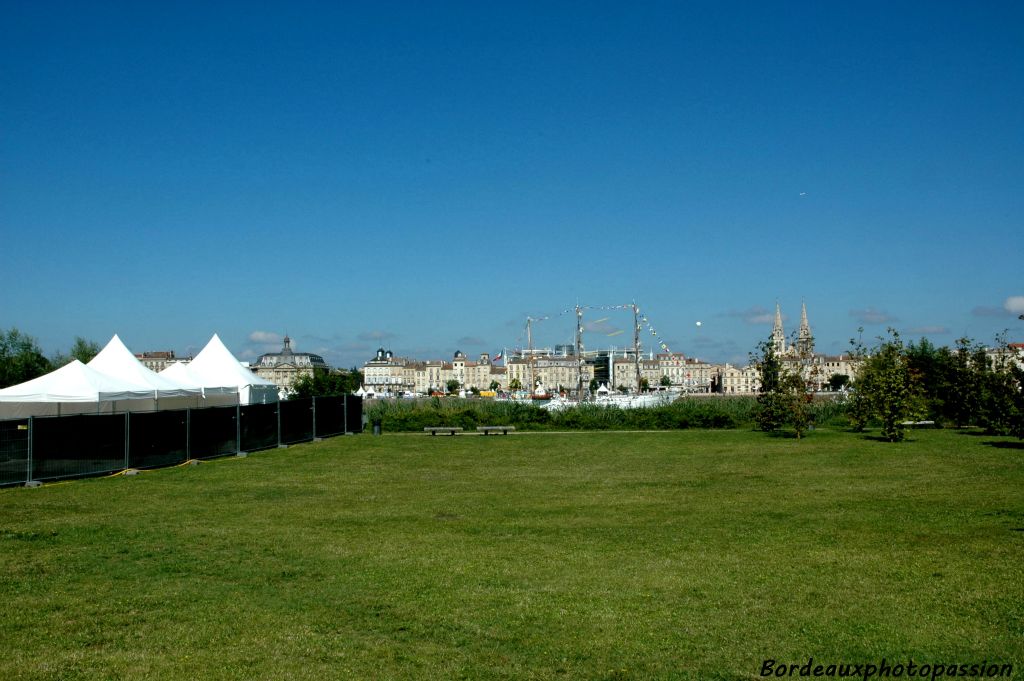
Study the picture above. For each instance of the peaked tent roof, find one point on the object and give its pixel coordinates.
(215, 365)
(117, 361)
(75, 382)
(181, 372)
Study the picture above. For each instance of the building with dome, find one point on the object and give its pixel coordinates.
(285, 367)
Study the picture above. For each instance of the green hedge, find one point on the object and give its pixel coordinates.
(687, 412)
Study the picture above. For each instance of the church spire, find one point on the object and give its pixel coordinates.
(805, 341)
(778, 334)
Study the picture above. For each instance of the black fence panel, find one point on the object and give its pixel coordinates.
(353, 414)
(13, 452)
(259, 426)
(77, 446)
(330, 415)
(296, 420)
(213, 432)
(157, 438)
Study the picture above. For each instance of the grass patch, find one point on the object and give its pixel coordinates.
(688, 554)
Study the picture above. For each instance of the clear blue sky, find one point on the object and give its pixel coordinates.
(424, 176)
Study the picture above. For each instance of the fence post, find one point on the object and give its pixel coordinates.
(31, 434)
(127, 436)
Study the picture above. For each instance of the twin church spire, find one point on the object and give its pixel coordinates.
(804, 339)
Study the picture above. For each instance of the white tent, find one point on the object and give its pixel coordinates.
(73, 389)
(181, 373)
(117, 361)
(216, 366)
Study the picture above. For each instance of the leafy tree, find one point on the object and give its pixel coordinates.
(323, 383)
(453, 386)
(783, 396)
(837, 382)
(594, 385)
(887, 389)
(20, 358)
(665, 381)
(494, 386)
(645, 384)
(83, 350)
(996, 387)
(515, 384)
(770, 414)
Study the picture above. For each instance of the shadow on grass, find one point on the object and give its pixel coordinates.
(1004, 445)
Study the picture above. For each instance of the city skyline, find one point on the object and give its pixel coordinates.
(424, 178)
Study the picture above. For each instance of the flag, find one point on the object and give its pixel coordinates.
(496, 358)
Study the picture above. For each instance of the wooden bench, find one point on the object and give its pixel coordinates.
(443, 429)
(918, 424)
(487, 430)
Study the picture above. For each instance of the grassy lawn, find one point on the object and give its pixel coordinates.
(688, 554)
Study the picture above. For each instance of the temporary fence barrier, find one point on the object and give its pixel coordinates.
(45, 448)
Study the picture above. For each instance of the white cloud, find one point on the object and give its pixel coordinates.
(929, 330)
(265, 337)
(872, 316)
(375, 336)
(1014, 305)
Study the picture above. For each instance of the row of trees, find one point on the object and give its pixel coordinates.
(966, 385)
(21, 358)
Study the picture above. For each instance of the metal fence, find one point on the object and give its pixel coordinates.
(57, 447)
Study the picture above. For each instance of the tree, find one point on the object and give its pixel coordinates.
(323, 383)
(770, 413)
(594, 385)
(494, 386)
(645, 384)
(453, 386)
(887, 389)
(20, 358)
(83, 350)
(837, 382)
(515, 384)
(783, 396)
(665, 380)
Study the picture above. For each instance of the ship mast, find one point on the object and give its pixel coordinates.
(636, 346)
(579, 352)
(529, 351)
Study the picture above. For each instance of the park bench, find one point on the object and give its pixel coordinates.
(487, 430)
(449, 430)
(918, 424)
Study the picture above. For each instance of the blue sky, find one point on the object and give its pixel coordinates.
(424, 176)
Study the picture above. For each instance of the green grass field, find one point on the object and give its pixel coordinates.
(688, 555)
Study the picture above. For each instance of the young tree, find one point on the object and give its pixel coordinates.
(665, 381)
(494, 386)
(515, 384)
(770, 414)
(453, 386)
(886, 388)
